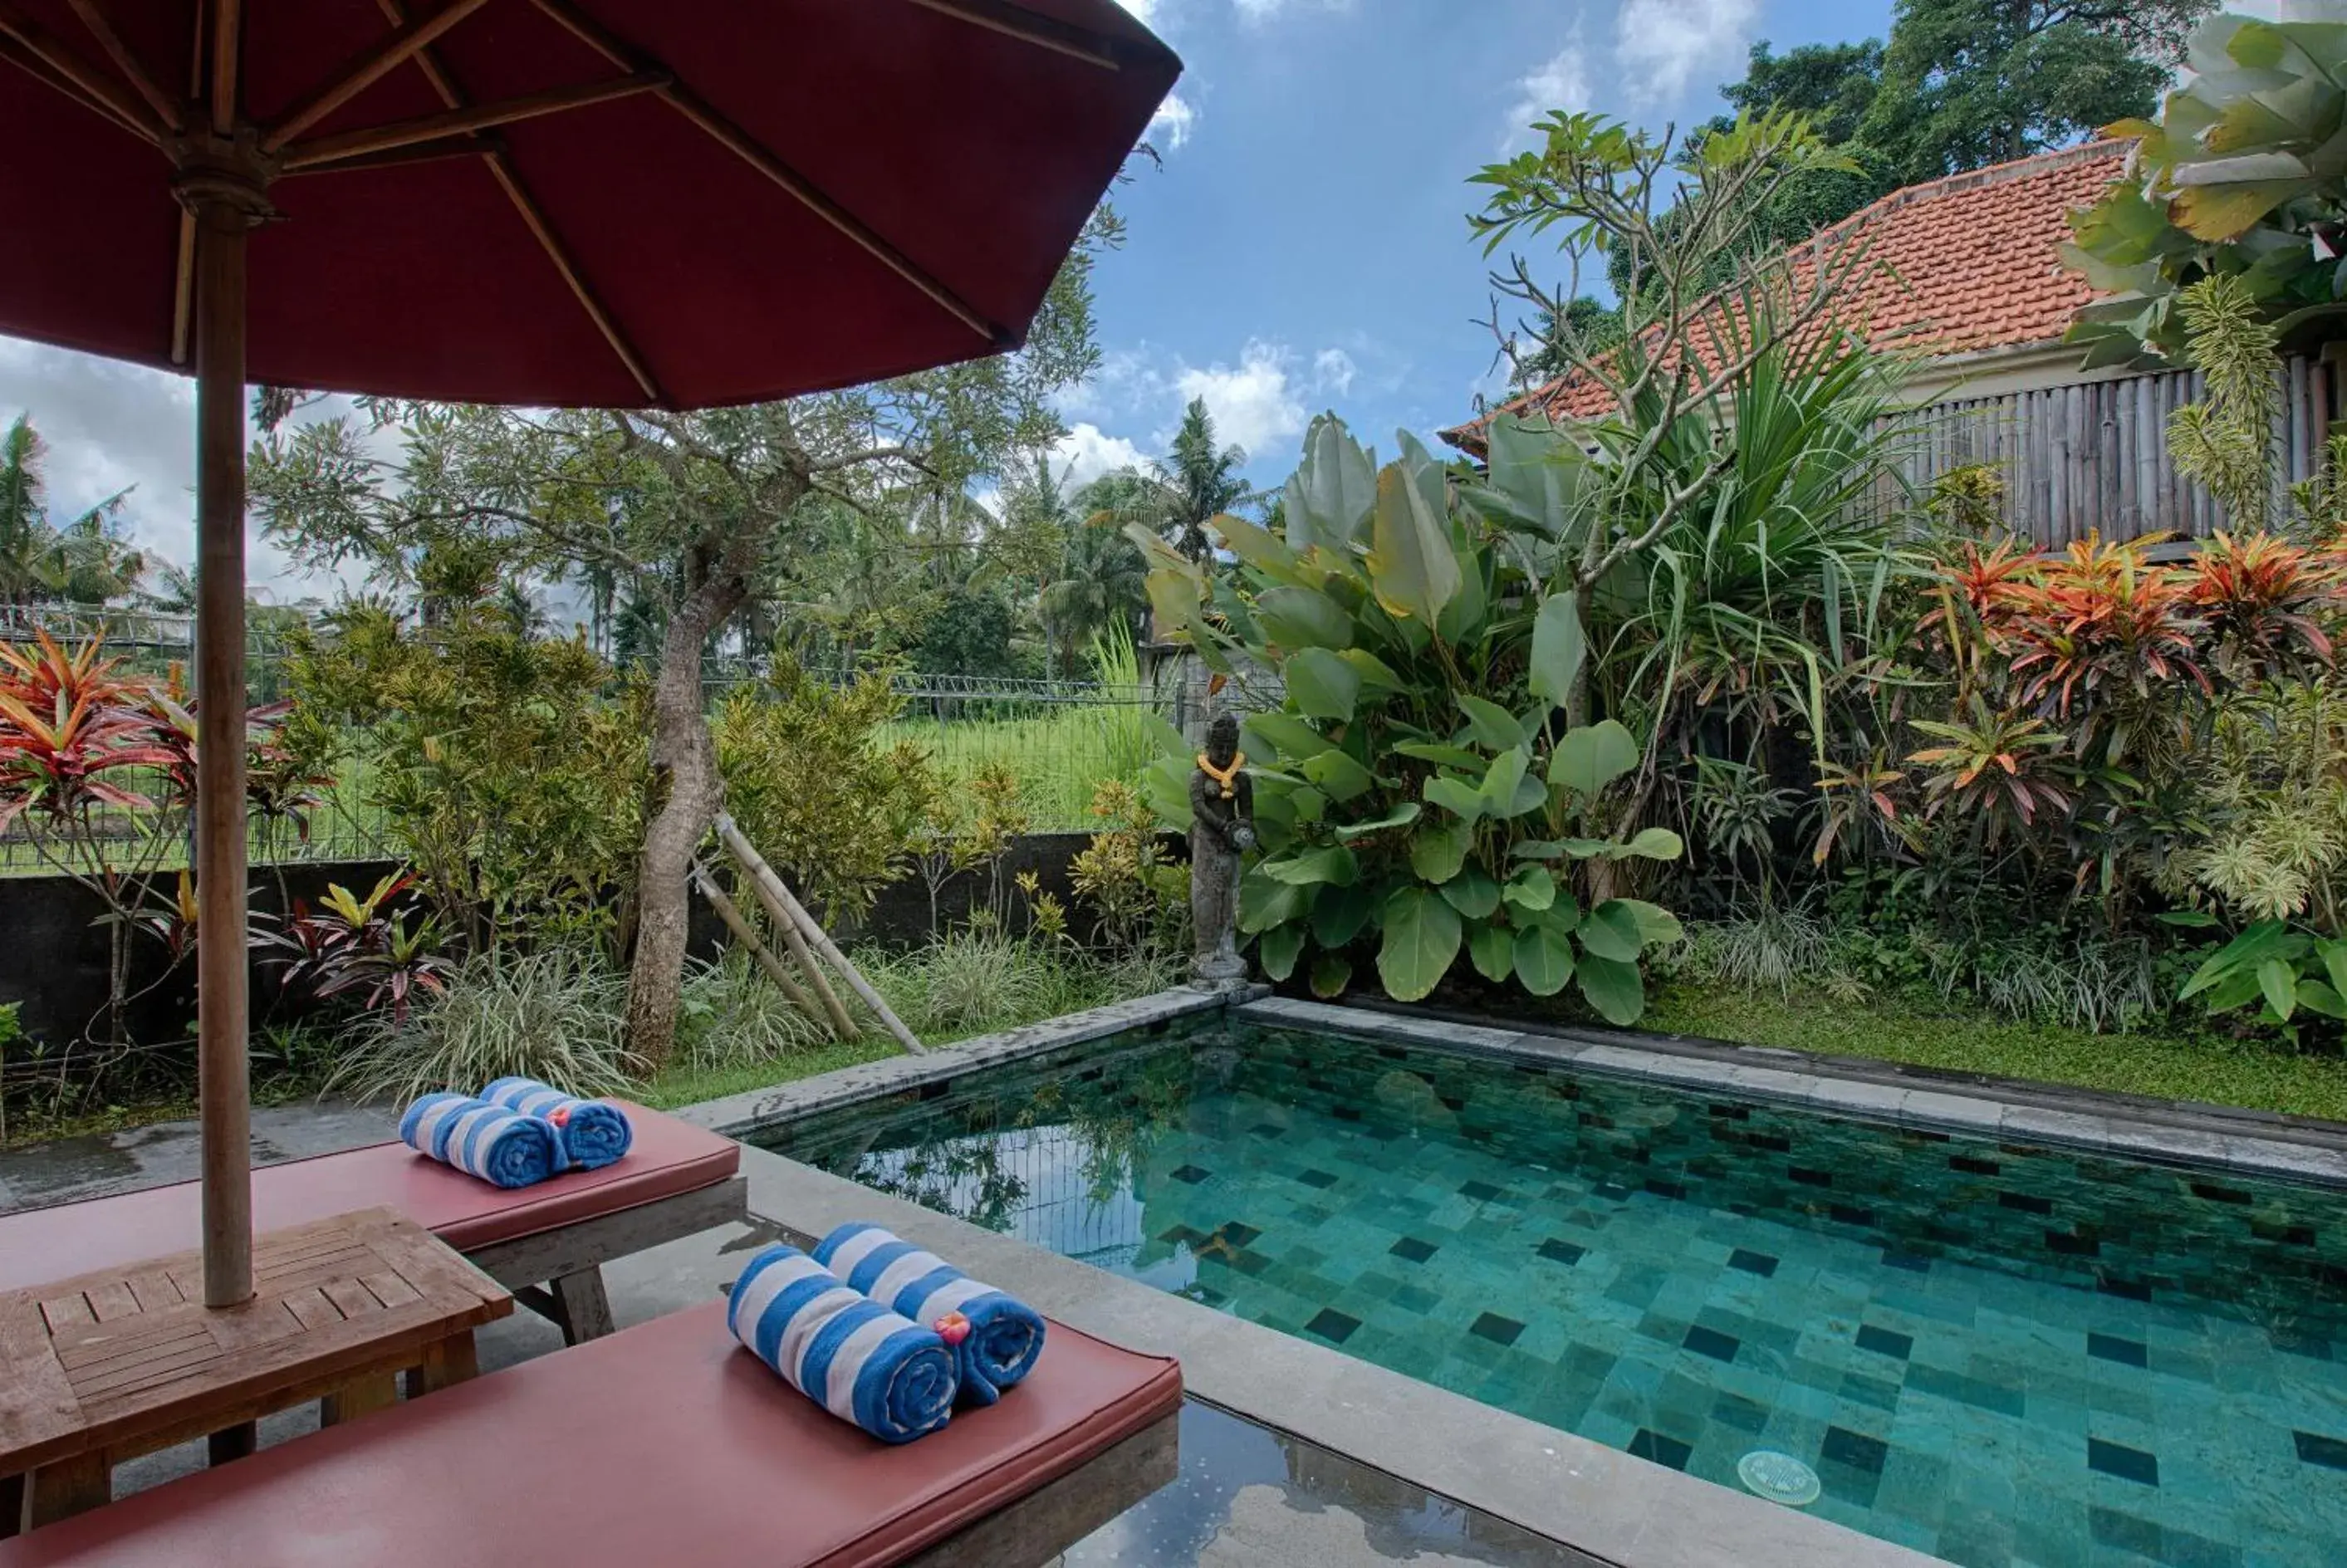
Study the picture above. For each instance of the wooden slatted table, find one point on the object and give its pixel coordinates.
(104, 1367)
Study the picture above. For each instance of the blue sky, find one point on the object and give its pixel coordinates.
(1302, 247)
(1305, 245)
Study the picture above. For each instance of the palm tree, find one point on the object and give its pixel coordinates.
(1103, 581)
(89, 561)
(1196, 482)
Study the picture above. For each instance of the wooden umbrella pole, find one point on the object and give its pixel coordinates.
(220, 1000)
(790, 912)
(747, 934)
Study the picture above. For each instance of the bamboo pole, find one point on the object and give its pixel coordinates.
(773, 893)
(747, 934)
(841, 1024)
(224, 1084)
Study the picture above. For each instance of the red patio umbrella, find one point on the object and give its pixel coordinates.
(677, 203)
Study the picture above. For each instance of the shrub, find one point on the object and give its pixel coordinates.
(553, 1014)
(729, 1014)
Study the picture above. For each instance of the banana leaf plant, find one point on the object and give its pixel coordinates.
(1417, 795)
(2244, 173)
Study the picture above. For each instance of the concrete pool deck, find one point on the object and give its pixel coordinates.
(1608, 1507)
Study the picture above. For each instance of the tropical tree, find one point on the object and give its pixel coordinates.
(87, 559)
(1195, 482)
(1102, 580)
(697, 515)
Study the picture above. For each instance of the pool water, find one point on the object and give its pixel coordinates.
(1997, 1354)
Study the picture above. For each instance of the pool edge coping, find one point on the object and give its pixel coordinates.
(2118, 1129)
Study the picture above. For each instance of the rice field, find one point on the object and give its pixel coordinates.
(1059, 757)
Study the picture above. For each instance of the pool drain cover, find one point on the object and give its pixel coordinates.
(1779, 1478)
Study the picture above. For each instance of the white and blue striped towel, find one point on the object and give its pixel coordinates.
(483, 1140)
(1005, 1334)
(594, 1132)
(842, 1349)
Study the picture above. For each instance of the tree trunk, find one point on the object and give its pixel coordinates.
(686, 756)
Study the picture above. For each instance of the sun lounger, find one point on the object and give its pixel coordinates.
(546, 1243)
(666, 1443)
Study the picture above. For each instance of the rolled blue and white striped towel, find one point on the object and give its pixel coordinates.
(1005, 1334)
(483, 1140)
(842, 1349)
(594, 1132)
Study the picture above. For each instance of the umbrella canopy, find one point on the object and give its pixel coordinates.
(679, 203)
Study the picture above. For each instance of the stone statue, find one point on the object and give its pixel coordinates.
(1221, 807)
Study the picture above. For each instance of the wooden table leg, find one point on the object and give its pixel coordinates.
(586, 1310)
(12, 1505)
(68, 1487)
(449, 1361)
(233, 1442)
(374, 1391)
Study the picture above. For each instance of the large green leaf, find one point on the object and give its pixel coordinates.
(1655, 844)
(1331, 973)
(2255, 944)
(1303, 618)
(1339, 774)
(1611, 931)
(1402, 815)
(1559, 646)
(1322, 684)
(1473, 892)
(1331, 863)
(1656, 924)
(1438, 849)
(1265, 902)
(1616, 990)
(1588, 759)
(1443, 751)
(1421, 938)
(1333, 491)
(2279, 981)
(1533, 887)
(1492, 727)
(1278, 736)
(1256, 547)
(1339, 913)
(1493, 950)
(1411, 568)
(1277, 949)
(1501, 779)
(1544, 960)
(1374, 672)
(1455, 796)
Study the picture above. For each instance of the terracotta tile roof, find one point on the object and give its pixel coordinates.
(1954, 266)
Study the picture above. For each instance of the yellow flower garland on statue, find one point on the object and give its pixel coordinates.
(1223, 777)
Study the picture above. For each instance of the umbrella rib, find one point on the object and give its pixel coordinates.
(64, 66)
(172, 112)
(183, 293)
(534, 218)
(33, 66)
(228, 22)
(471, 144)
(363, 72)
(437, 127)
(752, 151)
(1033, 28)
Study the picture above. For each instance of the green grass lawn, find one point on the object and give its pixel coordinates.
(684, 1085)
(2203, 1066)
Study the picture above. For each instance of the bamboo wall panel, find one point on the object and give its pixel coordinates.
(2091, 458)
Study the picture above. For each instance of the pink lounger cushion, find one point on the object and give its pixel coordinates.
(668, 1157)
(664, 1444)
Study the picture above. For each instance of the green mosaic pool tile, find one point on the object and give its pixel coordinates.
(1658, 1198)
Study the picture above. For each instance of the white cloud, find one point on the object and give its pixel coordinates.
(1143, 11)
(1087, 452)
(1658, 44)
(111, 426)
(1261, 11)
(1172, 121)
(1332, 371)
(1252, 402)
(1561, 82)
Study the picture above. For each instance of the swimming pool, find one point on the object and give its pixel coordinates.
(2000, 1354)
